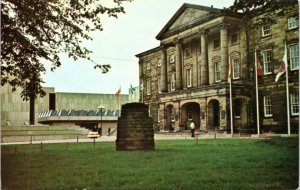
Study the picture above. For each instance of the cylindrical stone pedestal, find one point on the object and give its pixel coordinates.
(135, 128)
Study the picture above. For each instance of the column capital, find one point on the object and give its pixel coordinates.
(177, 41)
(224, 25)
(203, 31)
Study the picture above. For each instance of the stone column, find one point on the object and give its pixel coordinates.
(163, 70)
(224, 52)
(178, 82)
(204, 69)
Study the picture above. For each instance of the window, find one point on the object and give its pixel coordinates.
(189, 77)
(217, 72)
(295, 103)
(187, 52)
(267, 106)
(236, 68)
(216, 43)
(234, 38)
(266, 30)
(237, 108)
(158, 62)
(172, 58)
(292, 22)
(148, 83)
(148, 65)
(172, 80)
(158, 85)
(294, 56)
(267, 58)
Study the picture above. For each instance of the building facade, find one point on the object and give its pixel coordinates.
(186, 78)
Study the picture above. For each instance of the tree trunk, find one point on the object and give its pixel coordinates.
(31, 110)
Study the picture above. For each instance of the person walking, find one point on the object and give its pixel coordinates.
(192, 126)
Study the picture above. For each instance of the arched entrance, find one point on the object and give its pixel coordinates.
(190, 112)
(170, 117)
(213, 114)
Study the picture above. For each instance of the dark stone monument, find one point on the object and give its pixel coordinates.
(135, 128)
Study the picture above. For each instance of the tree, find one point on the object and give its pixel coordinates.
(33, 31)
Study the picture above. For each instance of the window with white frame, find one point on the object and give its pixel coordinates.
(187, 52)
(148, 65)
(173, 114)
(158, 62)
(148, 86)
(295, 103)
(189, 77)
(217, 72)
(266, 30)
(294, 56)
(172, 80)
(172, 58)
(267, 60)
(236, 68)
(158, 85)
(267, 106)
(292, 22)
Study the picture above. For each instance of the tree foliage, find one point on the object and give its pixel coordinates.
(33, 31)
(262, 10)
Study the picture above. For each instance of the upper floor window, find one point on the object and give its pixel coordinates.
(217, 72)
(172, 80)
(236, 68)
(295, 103)
(267, 106)
(189, 77)
(158, 85)
(292, 22)
(148, 85)
(267, 59)
(294, 56)
(172, 58)
(148, 65)
(234, 38)
(266, 30)
(216, 43)
(158, 62)
(187, 52)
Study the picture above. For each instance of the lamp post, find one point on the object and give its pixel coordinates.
(101, 110)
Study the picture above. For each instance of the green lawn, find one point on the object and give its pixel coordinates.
(177, 164)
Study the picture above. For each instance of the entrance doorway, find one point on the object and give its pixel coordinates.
(190, 112)
(213, 114)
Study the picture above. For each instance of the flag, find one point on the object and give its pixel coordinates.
(260, 71)
(283, 66)
(131, 89)
(118, 92)
(229, 71)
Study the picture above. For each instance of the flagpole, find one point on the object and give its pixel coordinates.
(257, 99)
(230, 98)
(287, 95)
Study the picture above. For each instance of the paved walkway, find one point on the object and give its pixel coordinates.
(156, 137)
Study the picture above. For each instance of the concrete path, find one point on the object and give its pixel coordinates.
(113, 138)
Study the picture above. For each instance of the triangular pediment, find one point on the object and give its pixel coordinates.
(187, 15)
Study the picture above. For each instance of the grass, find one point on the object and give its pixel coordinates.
(177, 164)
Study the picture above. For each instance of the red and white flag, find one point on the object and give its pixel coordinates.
(118, 92)
(283, 66)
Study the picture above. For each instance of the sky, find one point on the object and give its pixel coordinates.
(122, 38)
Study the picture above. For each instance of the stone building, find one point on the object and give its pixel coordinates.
(186, 77)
